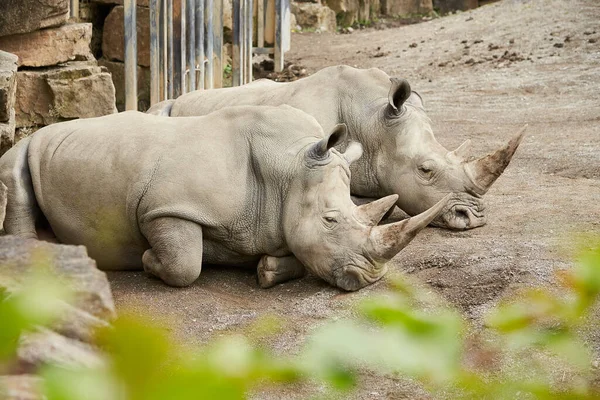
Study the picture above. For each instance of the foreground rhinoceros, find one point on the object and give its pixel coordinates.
(166, 194)
(401, 154)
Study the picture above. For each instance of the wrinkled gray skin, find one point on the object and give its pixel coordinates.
(166, 194)
(401, 154)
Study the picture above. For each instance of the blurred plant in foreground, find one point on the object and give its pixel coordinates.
(406, 332)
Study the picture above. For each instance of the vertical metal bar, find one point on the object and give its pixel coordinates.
(199, 75)
(208, 43)
(236, 56)
(249, 33)
(154, 53)
(182, 33)
(74, 11)
(163, 50)
(243, 42)
(130, 26)
(170, 52)
(260, 22)
(191, 40)
(279, 13)
(177, 65)
(218, 44)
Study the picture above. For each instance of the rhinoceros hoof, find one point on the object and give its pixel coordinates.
(267, 275)
(274, 270)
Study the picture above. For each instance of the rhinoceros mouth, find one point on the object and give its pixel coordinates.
(462, 216)
(353, 277)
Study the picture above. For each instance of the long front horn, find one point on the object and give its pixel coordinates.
(372, 213)
(484, 171)
(388, 240)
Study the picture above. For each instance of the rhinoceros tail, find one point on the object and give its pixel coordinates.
(162, 109)
(22, 208)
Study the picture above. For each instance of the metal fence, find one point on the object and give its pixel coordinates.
(186, 44)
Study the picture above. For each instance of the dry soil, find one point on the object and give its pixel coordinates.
(483, 74)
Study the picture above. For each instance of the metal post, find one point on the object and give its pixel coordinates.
(260, 22)
(182, 33)
(199, 25)
(243, 42)
(279, 14)
(163, 50)
(177, 51)
(208, 43)
(218, 44)
(170, 52)
(191, 37)
(236, 57)
(249, 32)
(130, 55)
(74, 11)
(154, 53)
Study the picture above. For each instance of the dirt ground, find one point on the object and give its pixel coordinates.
(483, 74)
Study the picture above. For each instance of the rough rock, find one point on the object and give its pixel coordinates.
(46, 347)
(71, 263)
(117, 70)
(8, 80)
(50, 46)
(78, 324)
(113, 39)
(75, 90)
(82, 92)
(20, 387)
(8, 86)
(445, 6)
(351, 11)
(314, 16)
(406, 7)
(20, 16)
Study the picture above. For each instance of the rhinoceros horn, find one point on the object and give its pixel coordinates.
(387, 240)
(463, 151)
(372, 213)
(485, 170)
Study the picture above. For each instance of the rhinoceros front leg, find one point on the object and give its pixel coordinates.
(175, 253)
(275, 270)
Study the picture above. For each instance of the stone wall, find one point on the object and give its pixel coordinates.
(48, 72)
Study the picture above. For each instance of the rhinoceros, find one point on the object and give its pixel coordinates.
(166, 194)
(402, 155)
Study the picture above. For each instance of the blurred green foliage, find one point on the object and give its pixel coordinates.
(405, 332)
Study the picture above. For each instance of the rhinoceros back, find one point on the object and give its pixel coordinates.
(87, 184)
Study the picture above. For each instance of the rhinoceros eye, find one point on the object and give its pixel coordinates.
(426, 170)
(330, 220)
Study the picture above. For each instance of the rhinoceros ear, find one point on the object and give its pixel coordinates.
(399, 92)
(319, 151)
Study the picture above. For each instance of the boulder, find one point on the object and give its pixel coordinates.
(445, 6)
(21, 16)
(351, 11)
(46, 347)
(82, 92)
(71, 263)
(8, 86)
(406, 7)
(117, 70)
(75, 90)
(113, 39)
(50, 46)
(314, 16)
(20, 387)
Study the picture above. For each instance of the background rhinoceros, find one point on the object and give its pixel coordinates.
(402, 155)
(167, 194)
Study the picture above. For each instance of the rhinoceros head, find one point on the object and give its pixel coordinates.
(412, 163)
(336, 240)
